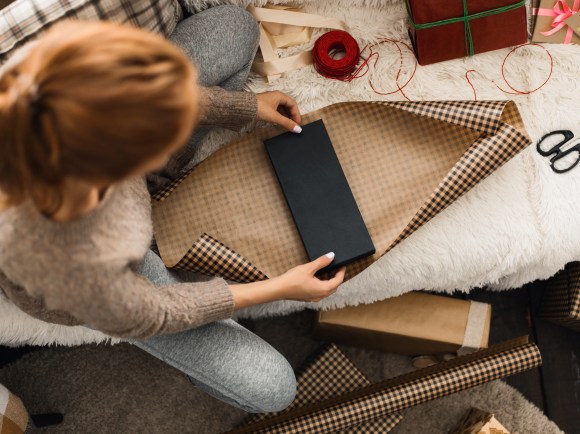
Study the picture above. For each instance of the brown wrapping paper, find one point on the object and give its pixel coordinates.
(561, 300)
(404, 161)
(383, 398)
(477, 421)
(544, 23)
(327, 374)
(574, 23)
(412, 324)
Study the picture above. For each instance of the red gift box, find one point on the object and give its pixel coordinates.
(449, 29)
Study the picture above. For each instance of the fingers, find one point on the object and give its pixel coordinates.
(333, 283)
(322, 262)
(292, 107)
(285, 122)
(272, 107)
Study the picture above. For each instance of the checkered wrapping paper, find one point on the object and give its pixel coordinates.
(561, 301)
(25, 20)
(209, 256)
(327, 374)
(404, 161)
(14, 418)
(383, 398)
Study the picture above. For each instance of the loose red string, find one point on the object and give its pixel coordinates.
(522, 92)
(471, 84)
(346, 69)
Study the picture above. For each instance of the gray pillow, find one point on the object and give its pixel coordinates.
(25, 20)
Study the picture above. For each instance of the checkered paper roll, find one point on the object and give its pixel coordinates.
(561, 301)
(381, 399)
(327, 374)
(404, 161)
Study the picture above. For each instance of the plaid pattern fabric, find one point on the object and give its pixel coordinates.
(327, 374)
(209, 256)
(14, 418)
(561, 301)
(165, 192)
(405, 162)
(25, 20)
(377, 400)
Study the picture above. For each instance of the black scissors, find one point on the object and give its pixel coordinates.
(556, 149)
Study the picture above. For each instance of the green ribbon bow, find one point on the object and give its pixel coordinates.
(465, 19)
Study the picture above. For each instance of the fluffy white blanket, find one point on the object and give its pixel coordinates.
(518, 225)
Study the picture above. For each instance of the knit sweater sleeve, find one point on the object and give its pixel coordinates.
(227, 109)
(129, 306)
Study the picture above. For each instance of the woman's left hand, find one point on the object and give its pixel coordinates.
(279, 108)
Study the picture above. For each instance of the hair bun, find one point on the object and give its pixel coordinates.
(25, 87)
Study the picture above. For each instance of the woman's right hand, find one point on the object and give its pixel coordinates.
(301, 283)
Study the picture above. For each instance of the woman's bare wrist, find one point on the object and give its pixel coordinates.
(250, 294)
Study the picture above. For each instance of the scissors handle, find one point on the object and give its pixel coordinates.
(561, 154)
(567, 134)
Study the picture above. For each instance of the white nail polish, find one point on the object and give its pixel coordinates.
(330, 255)
(297, 129)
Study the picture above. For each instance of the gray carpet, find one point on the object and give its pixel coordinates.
(120, 389)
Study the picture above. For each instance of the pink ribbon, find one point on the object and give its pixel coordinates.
(561, 11)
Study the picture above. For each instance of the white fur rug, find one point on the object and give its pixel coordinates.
(517, 226)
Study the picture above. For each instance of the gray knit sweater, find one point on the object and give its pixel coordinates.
(83, 272)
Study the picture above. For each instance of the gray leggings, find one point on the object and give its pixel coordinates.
(222, 42)
(223, 358)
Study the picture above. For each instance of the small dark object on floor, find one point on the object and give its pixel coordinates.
(46, 419)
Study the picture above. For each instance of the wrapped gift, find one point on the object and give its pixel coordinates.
(554, 22)
(325, 375)
(561, 301)
(415, 323)
(448, 29)
(477, 421)
(14, 418)
(376, 401)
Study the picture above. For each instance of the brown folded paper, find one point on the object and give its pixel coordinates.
(404, 161)
(544, 23)
(380, 399)
(412, 324)
(477, 421)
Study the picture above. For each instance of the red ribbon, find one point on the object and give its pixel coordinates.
(561, 12)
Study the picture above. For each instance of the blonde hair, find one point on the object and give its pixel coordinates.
(94, 101)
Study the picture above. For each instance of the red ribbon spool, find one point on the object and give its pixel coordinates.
(335, 40)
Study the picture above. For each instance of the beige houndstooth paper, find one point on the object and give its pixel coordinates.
(384, 398)
(561, 301)
(404, 161)
(327, 374)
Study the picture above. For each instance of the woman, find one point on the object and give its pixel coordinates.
(84, 115)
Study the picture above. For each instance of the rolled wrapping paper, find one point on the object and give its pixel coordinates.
(326, 374)
(380, 399)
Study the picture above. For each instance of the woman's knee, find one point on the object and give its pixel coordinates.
(241, 22)
(271, 385)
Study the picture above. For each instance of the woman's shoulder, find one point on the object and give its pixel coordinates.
(118, 230)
